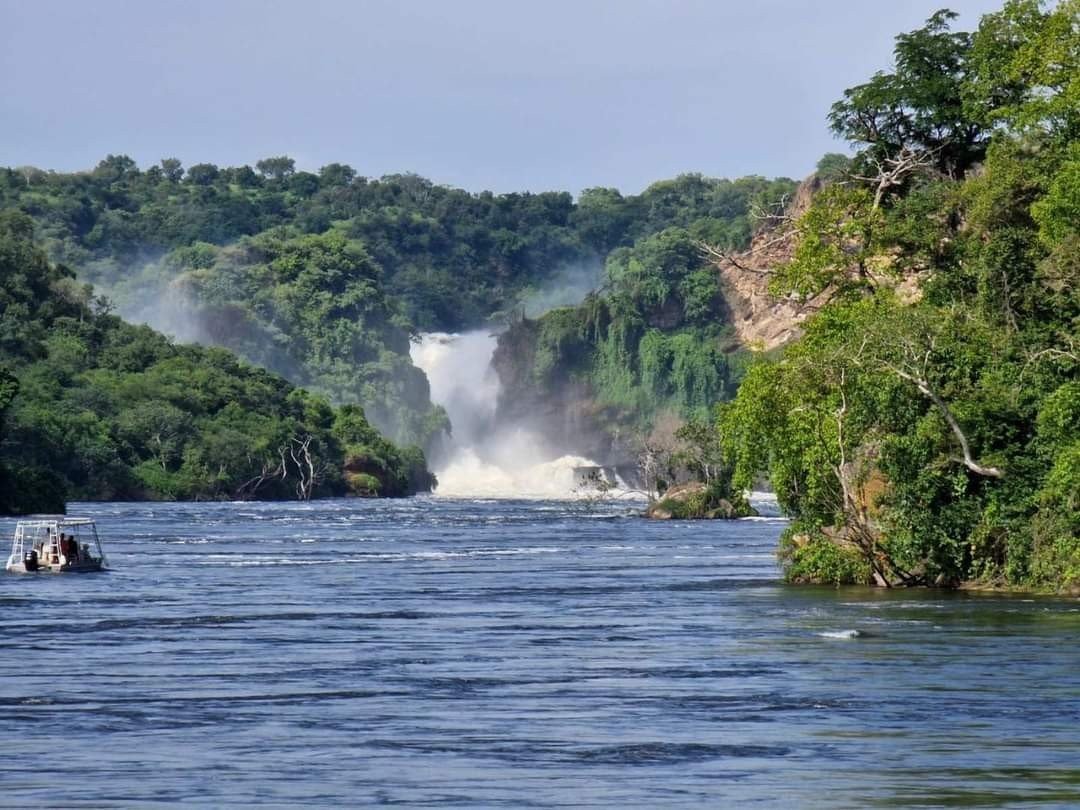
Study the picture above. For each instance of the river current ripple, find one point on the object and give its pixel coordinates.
(440, 653)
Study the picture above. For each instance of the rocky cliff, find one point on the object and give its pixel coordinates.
(763, 321)
(552, 369)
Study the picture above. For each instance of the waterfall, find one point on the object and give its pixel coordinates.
(484, 458)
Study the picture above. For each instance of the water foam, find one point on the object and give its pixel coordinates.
(484, 459)
(842, 634)
(467, 475)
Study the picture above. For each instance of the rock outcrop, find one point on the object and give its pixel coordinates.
(694, 501)
(761, 320)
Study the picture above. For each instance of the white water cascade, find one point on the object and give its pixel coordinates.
(483, 459)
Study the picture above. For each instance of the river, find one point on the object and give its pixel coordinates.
(467, 653)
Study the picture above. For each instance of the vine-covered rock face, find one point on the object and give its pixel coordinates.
(655, 339)
(547, 393)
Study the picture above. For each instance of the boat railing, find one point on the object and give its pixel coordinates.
(43, 537)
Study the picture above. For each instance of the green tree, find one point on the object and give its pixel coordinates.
(203, 174)
(336, 174)
(276, 168)
(1024, 70)
(172, 169)
(918, 106)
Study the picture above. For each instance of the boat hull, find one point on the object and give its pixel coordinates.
(19, 567)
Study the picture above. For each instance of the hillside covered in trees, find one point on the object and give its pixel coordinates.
(94, 408)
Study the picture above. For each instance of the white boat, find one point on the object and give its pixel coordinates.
(56, 545)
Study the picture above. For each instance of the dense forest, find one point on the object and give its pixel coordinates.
(926, 429)
(95, 408)
(325, 277)
(453, 258)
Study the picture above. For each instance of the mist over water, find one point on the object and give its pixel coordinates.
(484, 458)
(568, 287)
(169, 309)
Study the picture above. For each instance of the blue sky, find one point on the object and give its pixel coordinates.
(475, 93)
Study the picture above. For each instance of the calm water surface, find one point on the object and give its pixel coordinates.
(514, 654)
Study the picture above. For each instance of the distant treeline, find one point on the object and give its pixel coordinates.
(452, 257)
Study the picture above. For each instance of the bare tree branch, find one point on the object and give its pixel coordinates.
(251, 487)
(779, 212)
(926, 389)
(310, 469)
(891, 172)
(713, 252)
(1053, 353)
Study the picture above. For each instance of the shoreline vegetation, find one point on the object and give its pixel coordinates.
(925, 429)
(914, 403)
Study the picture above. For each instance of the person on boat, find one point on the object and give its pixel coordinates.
(72, 549)
(65, 546)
